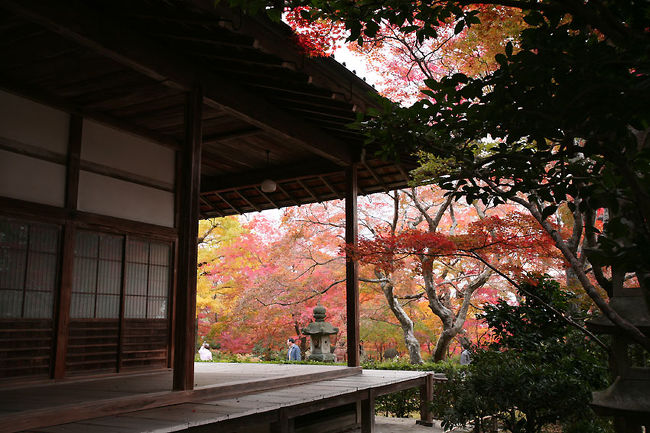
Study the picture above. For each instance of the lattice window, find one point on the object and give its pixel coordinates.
(97, 280)
(29, 267)
(147, 280)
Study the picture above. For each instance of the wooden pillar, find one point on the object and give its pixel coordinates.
(426, 398)
(368, 413)
(351, 266)
(190, 182)
(62, 321)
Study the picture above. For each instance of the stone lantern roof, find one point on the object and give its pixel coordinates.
(320, 326)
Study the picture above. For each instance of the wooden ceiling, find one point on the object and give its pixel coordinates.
(269, 111)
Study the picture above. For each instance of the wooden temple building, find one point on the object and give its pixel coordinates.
(122, 123)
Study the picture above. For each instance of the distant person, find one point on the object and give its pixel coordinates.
(294, 350)
(204, 353)
(465, 357)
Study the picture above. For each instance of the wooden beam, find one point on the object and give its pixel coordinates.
(86, 220)
(309, 191)
(374, 176)
(297, 170)
(187, 252)
(202, 40)
(98, 32)
(263, 194)
(207, 203)
(247, 201)
(331, 188)
(230, 205)
(352, 266)
(127, 176)
(404, 175)
(231, 135)
(33, 151)
(289, 196)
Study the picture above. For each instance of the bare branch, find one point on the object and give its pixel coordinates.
(316, 293)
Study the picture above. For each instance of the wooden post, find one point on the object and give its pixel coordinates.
(368, 413)
(426, 397)
(351, 266)
(184, 333)
(67, 257)
(284, 423)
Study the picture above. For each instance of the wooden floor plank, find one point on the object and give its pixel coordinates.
(207, 407)
(81, 428)
(134, 424)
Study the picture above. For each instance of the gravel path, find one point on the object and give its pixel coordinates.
(405, 425)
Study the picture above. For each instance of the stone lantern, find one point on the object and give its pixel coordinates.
(319, 332)
(628, 398)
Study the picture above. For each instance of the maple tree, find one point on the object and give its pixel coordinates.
(215, 234)
(401, 61)
(276, 272)
(450, 262)
(316, 38)
(266, 282)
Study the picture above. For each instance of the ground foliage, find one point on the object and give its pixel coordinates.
(537, 370)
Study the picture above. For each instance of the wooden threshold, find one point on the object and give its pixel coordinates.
(67, 413)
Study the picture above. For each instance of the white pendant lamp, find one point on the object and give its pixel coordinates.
(268, 185)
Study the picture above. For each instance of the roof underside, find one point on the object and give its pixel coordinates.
(268, 112)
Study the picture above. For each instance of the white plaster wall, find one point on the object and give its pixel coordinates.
(113, 197)
(30, 179)
(124, 151)
(30, 123)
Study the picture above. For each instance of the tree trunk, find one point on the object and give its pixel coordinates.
(442, 346)
(452, 322)
(411, 342)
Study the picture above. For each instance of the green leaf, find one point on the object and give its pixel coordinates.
(274, 14)
(548, 211)
(371, 29)
(409, 29)
(431, 83)
(460, 78)
(509, 49)
(534, 18)
(460, 25)
(305, 14)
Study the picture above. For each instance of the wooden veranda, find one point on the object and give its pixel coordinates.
(226, 397)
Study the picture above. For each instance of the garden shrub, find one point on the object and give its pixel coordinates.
(537, 371)
(404, 403)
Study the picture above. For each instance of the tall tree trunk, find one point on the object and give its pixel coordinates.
(452, 322)
(411, 342)
(442, 345)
